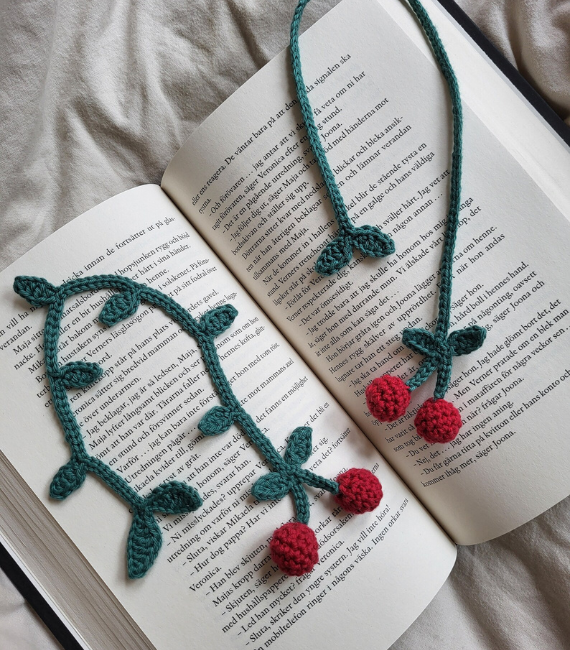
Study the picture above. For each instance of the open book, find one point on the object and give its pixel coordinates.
(240, 218)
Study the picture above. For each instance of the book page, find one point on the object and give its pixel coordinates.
(384, 118)
(498, 104)
(213, 580)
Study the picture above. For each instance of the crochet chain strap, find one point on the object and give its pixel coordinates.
(346, 228)
(387, 397)
(370, 240)
(446, 266)
(452, 221)
(335, 195)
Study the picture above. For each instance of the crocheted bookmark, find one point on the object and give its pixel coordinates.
(388, 397)
(294, 546)
(369, 240)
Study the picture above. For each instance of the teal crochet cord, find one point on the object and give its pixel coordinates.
(174, 497)
(439, 348)
(387, 397)
(370, 240)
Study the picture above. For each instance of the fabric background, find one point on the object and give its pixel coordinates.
(96, 98)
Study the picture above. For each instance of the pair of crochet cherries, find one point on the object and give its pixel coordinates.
(437, 420)
(294, 546)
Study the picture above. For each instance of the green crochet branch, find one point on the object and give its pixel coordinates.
(145, 537)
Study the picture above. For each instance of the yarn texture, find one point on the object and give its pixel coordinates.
(435, 423)
(145, 537)
(359, 491)
(387, 398)
(438, 421)
(294, 549)
(369, 240)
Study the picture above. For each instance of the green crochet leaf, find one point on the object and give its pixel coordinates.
(300, 446)
(143, 545)
(79, 374)
(334, 256)
(218, 320)
(419, 340)
(119, 307)
(36, 291)
(271, 487)
(174, 498)
(372, 242)
(466, 340)
(217, 420)
(68, 478)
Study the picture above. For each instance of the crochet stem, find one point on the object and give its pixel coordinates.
(301, 500)
(452, 221)
(443, 379)
(340, 211)
(423, 373)
(260, 440)
(116, 482)
(314, 480)
(446, 266)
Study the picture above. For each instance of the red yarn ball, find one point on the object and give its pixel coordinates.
(438, 421)
(359, 491)
(294, 549)
(387, 398)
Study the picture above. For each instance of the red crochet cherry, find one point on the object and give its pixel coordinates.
(359, 491)
(438, 421)
(294, 549)
(387, 398)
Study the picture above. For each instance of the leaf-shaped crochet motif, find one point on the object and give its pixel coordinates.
(68, 478)
(218, 320)
(217, 420)
(36, 291)
(174, 498)
(371, 241)
(118, 307)
(145, 540)
(467, 340)
(271, 487)
(78, 374)
(334, 256)
(419, 340)
(299, 446)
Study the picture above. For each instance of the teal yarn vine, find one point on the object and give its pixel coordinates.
(145, 536)
(388, 397)
(369, 240)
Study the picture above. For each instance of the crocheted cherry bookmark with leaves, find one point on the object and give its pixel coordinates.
(388, 397)
(294, 546)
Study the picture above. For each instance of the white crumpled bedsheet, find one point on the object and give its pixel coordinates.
(96, 97)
